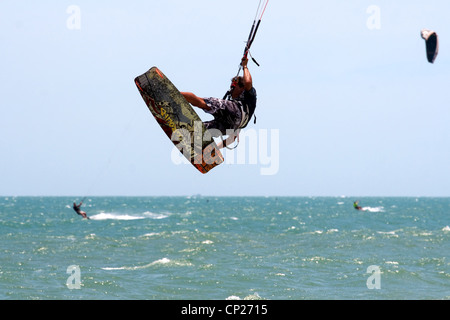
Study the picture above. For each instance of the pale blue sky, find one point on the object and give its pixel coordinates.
(359, 112)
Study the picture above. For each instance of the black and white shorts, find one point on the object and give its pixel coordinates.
(227, 114)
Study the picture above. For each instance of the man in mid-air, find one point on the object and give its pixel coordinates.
(229, 115)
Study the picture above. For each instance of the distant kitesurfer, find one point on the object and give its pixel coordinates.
(77, 209)
(356, 205)
(230, 116)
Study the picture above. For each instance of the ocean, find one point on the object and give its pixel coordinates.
(224, 248)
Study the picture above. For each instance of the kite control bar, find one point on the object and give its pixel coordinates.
(259, 14)
(253, 32)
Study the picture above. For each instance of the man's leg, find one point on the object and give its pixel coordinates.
(195, 101)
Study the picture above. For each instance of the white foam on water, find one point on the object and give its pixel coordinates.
(160, 261)
(125, 216)
(254, 296)
(373, 209)
(114, 216)
(156, 216)
(163, 261)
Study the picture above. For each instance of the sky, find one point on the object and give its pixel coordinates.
(347, 103)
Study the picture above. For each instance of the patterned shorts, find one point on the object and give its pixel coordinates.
(227, 114)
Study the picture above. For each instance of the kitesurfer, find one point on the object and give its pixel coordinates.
(229, 115)
(77, 209)
(356, 205)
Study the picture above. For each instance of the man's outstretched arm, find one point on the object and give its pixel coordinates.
(195, 101)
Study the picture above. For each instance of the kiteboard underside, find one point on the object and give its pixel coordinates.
(178, 120)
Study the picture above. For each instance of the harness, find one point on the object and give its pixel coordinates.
(245, 119)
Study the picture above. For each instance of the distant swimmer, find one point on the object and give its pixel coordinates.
(356, 205)
(77, 209)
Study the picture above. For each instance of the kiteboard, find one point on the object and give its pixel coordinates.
(178, 120)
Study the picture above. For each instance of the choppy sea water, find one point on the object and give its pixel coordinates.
(274, 248)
